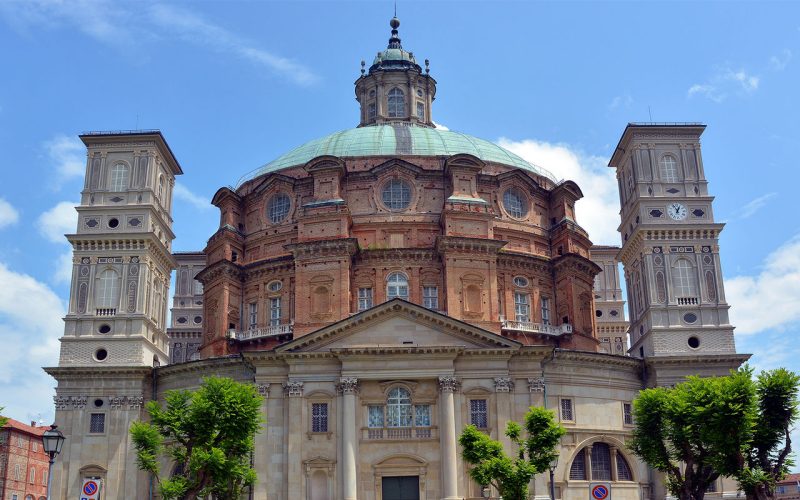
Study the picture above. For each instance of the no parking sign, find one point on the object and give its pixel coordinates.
(90, 489)
(600, 491)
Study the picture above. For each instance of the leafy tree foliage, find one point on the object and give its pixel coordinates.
(511, 475)
(208, 435)
(3, 420)
(707, 427)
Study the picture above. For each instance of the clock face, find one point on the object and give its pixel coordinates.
(676, 211)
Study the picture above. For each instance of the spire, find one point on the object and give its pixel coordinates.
(394, 40)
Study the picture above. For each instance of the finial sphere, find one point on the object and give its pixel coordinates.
(394, 23)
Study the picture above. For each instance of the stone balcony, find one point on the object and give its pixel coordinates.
(106, 311)
(688, 301)
(399, 433)
(257, 333)
(540, 328)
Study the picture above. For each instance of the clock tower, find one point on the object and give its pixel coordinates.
(670, 246)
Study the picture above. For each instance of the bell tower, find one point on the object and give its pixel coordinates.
(670, 244)
(115, 331)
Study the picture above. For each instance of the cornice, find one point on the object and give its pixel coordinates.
(516, 260)
(597, 358)
(573, 262)
(453, 351)
(395, 254)
(340, 247)
(267, 266)
(698, 359)
(221, 268)
(672, 234)
(201, 365)
(108, 371)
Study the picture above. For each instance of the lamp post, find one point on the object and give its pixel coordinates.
(553, 465)
(52, 441)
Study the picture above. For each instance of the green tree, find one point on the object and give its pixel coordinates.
(706, 427)
(3, 420)
(208, 437)
(511, 474)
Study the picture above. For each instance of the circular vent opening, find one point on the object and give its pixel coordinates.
(112, 223)
(694, 342)
(98, 403)
(100, 354)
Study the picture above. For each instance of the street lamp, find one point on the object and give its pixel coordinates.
(52, 441)
(553, 465)
(486, 491)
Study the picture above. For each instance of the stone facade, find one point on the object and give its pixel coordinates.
(23, 462)
(384, 287)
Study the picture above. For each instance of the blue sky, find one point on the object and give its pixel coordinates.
(232, 85)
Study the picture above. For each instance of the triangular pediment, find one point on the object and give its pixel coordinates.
(399, 324)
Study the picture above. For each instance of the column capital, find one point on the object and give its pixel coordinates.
(347, 385)
(503, 384)
(536, 384)
(449, 384)
(293, 388)
(263, 390)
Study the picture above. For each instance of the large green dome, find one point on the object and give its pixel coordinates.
(398, 139)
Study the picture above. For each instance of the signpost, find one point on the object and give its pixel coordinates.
(599, 491)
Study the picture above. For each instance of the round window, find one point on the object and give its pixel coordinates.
(104, 328)
(693, 342)
(690, 317)
(98, 403)
(275, 286)
(515, 203)
(112, 223)
(521, 281)
(396, 194)
(278, 208)
(100, 354)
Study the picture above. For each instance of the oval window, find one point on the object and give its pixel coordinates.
(515, 203)
(396, 194)
(278, 208)
(521, 281)
(275, 286)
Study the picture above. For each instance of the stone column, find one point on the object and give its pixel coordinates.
(348, 386)
(614, 471)
(448, 386)
(294, 476)
(588, 461)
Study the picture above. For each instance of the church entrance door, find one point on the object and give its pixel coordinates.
(400, 488)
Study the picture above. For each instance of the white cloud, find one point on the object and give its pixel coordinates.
(8, 214)
(598, 211)
(58, 221)
(440, 126)
(183, 193)
(780, 62)
(195, 29)
(724, 82)
(63, 272)
(753, 206)
(30, 326)
(769, 300)
(621, 101)
(68, 156)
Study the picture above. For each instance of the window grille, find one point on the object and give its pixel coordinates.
(319, 417)
(364, 299)
(627, 413)
(278, 208)
(601, 462)
(478, 413)
(522, 307)
(623, 471)
(430, 297)
(107, 295)
(375, 416)
(514, 203)
(566, 410)
(396, 194)
(398, 408)
(97, 422)
(119, 177)
(422, 415)
(578, 468)
(683, 279)
(669, 169)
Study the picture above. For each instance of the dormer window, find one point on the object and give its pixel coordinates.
(397, 103)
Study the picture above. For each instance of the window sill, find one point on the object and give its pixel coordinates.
(310, 434)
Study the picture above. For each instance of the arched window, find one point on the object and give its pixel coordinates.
(107, 292)
(119, 177)
(515, 203)
(397, 286)
(683, 279)
(669, 169)
(278, 208)
(397, 103)
(398, 408)
(601, 469)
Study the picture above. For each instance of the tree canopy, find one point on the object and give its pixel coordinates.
(207, 435)
(707, 427)
(509, 474)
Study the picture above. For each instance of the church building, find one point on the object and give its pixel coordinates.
(383, 287)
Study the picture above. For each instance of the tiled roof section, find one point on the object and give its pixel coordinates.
(790, 479)
(397, 140)
(15, 424)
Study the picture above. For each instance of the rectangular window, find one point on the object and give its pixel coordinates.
(522, 307)
(422, 415)
(33, 475)
(545, 311)
(478, 413)
(364, 299)
(275, 311)
(375, 417)
(97, 423)
(567, 412)
(17, 472)
(253, 315)
(371, 111)
(627, 413)
(198, 288)
(319, 417)
(420, 111)
(430, 297)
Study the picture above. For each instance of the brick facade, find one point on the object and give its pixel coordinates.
(23, 462)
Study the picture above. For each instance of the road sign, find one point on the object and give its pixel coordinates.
(90, 489)
(600, 491)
